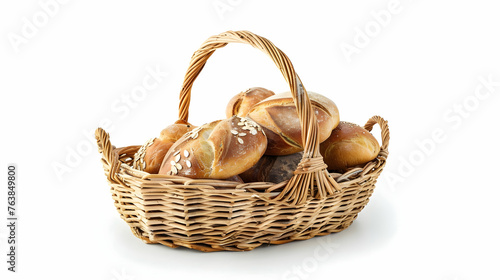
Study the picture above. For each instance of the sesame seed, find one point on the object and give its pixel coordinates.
(176, 153)
(172, 162)
(188, 163)
(240, 123)
(177, 158)
(240, 140)
(178, 166)
(242, 134)
(174, 169)
(186, 153)
(234, 132)
(196, 129)
(253, 131)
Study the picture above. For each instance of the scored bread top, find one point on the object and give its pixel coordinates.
(216, 150)
(278, 116)
(240, 104)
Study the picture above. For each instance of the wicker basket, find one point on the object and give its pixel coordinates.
(215, 215)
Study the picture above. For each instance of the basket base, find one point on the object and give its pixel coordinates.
(213, 247)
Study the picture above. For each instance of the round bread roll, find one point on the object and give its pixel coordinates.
(175, 131)
(348, 146)
(241, 103)
(217, 150)
(279, 119)
(274, 169)
(150, 156)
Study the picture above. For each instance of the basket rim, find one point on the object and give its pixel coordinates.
(120, 171)
(147, 177)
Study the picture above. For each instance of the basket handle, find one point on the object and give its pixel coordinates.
(109, 155)
(311, 176)
(384, 127)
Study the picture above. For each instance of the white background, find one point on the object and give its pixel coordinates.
(67, 68)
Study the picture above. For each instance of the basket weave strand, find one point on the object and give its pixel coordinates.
(215, 215)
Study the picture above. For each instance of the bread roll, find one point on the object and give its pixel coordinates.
(348, 146)
(241, 103)
(279, 119)
(274, 169)
(217, 150)
(175, 131)
(150, 156)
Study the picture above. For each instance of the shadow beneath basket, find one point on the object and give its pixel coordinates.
(372, 230)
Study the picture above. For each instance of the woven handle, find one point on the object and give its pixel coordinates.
(384, 130)
(312, 170)
(299, 94)
(109, 154)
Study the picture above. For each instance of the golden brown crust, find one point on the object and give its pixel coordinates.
(349, 145)
(217, 150)
(240, 104)
(150, 156)
(175, 131)
(278, 115)
(154, 155)
(191, 155)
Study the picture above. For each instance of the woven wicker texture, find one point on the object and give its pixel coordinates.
(214, 215)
